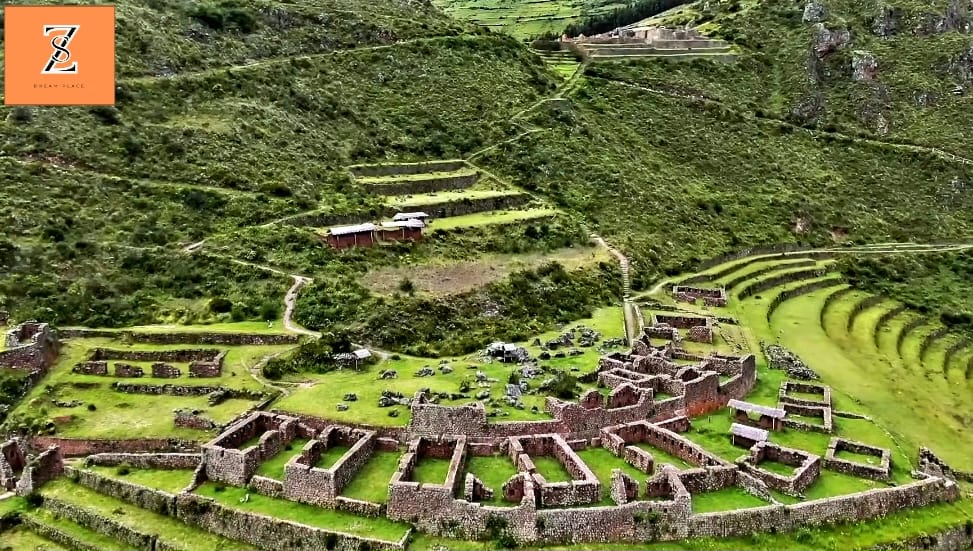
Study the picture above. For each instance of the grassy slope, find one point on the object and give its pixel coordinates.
(778, 76)
(705, 180)
(120, 415)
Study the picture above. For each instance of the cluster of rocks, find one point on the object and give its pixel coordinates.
(779, 357)
(391, 398)
(388, 374)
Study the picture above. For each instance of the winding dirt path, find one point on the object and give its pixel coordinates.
(290, 300)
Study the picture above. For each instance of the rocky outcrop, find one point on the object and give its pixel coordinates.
(886, 23)
(827, 41)
(814, 12)
(864, 66)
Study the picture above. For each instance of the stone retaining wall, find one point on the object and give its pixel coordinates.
(849, 508)
(100, 524)
(800, 290)
(908, 328)
(30, 346)
(231, 339)
(56, 535)
(268, 532)
(411, 186)
(462, 207)
(393, 169)
(884, 319)
(166, 461)
(73, 447)
(775, 281)
(859, 307)
(143, 497)
(184, 355)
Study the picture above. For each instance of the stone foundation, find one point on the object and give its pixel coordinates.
(584, 488)
(162, 370)
(305, 482)
(784, 395)
(882, 471)
(38, 470)
(91, 368)
(226, 462)
(807, 467)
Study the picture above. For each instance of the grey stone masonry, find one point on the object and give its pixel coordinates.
(880, 471)
(412, 501)
(39, 470)
(583, 488)
(226, 462)
(826, 425)
(13, 459)
(807, 467)
(786, 394)
(306, 482)
(618, 438)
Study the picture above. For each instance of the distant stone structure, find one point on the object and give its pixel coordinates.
(710, 297)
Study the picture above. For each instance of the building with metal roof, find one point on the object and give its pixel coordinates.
(410, 216)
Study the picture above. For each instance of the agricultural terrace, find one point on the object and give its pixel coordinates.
(818, 430)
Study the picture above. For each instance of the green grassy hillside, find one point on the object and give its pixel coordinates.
(889, 69)
(258, 121)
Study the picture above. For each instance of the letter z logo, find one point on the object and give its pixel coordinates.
(63, 34)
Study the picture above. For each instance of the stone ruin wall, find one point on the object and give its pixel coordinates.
(124, 370)
(807, 467)
(784, 396)
(176, 356)
(425, 185)
(76, 447)
(413, 501)
(882, 472)
(13, 459)
(305, 483)
(225, 463)
(161, 370)
(852, 507)
(583, 488)
(210, 338)
(38, 470)
(403, 169)
(32, 346)
(680, 322)
(99, 367)
(162, 461)
(191, 419)
(618, 438)
(827, 423)
(207, 368)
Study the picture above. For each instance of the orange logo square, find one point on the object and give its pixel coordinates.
(59, 55)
